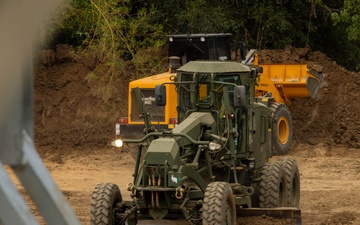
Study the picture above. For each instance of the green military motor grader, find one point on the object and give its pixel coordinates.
(214, 165)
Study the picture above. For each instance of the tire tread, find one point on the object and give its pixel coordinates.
(102, 200)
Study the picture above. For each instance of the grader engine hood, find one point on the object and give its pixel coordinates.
(161, 150)
(167, 148)
(191, 124)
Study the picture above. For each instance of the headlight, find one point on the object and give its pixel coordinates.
(214, 146)
(117, 143)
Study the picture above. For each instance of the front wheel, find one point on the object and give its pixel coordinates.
(219, 205)
(103, 200)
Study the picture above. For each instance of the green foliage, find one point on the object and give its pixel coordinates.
(261, 24)
(272, 26)
(204, 16)
(119, 32)
(349, 16)
(336, 32)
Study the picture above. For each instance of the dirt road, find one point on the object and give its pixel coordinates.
(329, 184)
(330, 180)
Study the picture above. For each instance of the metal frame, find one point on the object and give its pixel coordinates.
(20, 22)
(18, 151)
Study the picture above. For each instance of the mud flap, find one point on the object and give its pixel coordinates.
(293, 214)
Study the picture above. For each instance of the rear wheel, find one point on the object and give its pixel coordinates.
(103, 200)
(219, 205)
(292, 182)
(282, 131)
(272, 190)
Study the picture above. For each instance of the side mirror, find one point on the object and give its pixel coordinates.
(160, 95)
(239, 96)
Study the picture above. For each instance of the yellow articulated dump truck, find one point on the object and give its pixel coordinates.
(277, 85)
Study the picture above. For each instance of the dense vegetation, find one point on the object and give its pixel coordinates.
(128, 33)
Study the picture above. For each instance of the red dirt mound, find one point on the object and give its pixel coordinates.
(67, 112)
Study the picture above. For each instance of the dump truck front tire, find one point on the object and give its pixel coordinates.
(292, 182)
(103, 200)
(273, 190)
(218, 205)
(282, 131)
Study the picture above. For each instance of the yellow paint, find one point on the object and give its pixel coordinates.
(203, 93)
(283, 130)
(284, 81)
(150, 83)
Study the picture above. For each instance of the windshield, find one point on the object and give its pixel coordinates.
(204, 92)
(191, 48)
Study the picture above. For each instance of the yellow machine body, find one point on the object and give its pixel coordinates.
(287, 82)
(148, 84)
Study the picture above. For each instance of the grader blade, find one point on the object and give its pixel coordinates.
(293, 214)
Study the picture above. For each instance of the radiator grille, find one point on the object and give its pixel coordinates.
(157, 113)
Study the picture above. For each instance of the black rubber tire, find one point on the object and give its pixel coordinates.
(282, 131)
(219, 205)
(292, 182)
(103, 200)
(273, 190)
